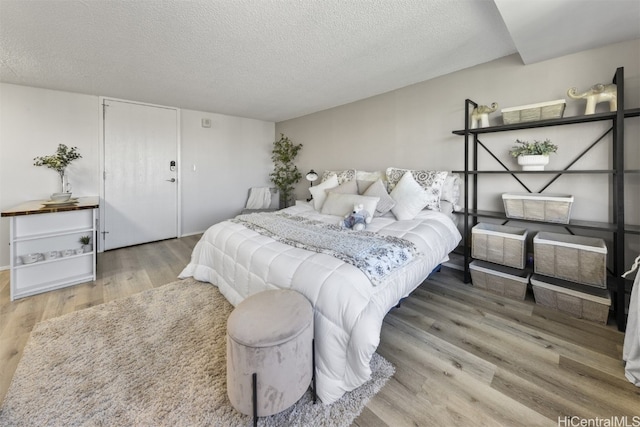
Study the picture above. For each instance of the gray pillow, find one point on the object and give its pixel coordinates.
(378, 189)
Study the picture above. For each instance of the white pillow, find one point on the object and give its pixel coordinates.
(371, 176)
(451, 189)
(410, 198)
(431, 181)
(378, 189)
(318, 192)
(341, 204)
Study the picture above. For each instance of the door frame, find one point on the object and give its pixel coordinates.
(101, 158)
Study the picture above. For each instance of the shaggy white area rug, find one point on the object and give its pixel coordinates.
(157, 358)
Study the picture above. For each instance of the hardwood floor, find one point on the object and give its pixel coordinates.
(463, 357)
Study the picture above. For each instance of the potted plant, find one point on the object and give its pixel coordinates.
(86, 244)
(533, 156)
(285, 173)
(59, 162)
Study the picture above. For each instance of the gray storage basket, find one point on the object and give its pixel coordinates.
(578, 259)
(554, 208)
(506, 281)
(582, 302)
(499, 244)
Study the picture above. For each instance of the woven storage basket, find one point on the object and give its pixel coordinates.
(533, 112)
(500, 244)
(582, 302)
(554, 208)
(499, 279)
(578, 259)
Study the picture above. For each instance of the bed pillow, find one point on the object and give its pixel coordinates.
(340, 204)
(371, 176)
(410, 198)
(378, 189)
(431, 181)
(451, 189)
(318, 192)
(349, 187)
(343, 176)
(365, 179)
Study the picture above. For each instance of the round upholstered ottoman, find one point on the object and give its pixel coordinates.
(269, 352)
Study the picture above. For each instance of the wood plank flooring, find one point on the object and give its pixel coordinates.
(463, 356)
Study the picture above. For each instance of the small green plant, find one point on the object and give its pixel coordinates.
(85, 240)
(59, 161)
(285, 173)
(535, 148)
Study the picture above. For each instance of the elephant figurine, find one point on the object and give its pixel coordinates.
(480, 115)
(597, 93)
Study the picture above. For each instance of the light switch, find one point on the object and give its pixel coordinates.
(206, 123)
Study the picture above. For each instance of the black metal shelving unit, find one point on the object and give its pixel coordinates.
(472, 144)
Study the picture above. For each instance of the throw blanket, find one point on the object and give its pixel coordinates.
(375, 255)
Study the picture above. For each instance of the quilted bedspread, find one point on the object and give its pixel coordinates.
(348, 308)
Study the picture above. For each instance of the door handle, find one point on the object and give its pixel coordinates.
(172, 180)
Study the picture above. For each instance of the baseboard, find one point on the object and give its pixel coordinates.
(191, 234)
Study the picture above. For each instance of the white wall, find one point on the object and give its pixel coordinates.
(230, 157)
(411, 128)
(32, 123)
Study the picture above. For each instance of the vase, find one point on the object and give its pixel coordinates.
(65, 187)
(534, 162)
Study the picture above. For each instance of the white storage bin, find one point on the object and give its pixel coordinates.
(582, 302)
(533, 112)
(506, 281)
(554, 208)
(499, 244)
(578, 259)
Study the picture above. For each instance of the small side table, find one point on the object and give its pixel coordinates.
(46, 252)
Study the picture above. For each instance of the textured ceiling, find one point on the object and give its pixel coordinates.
(270, 59)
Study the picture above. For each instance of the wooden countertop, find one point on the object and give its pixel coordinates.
(34, 207)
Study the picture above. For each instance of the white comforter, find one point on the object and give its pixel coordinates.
(348, 309)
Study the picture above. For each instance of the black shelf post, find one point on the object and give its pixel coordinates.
(466, 243)
(618, 201)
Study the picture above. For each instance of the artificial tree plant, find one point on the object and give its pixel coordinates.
(285, 173)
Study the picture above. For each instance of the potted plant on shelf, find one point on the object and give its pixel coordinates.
(285, 173)
(86, 244)
(533, 156)
(59, 162)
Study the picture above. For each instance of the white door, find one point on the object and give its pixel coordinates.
(140, 174)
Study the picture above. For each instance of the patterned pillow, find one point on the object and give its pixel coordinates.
(431, 181)
(343, 176)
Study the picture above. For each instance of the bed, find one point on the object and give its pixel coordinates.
(243, 256)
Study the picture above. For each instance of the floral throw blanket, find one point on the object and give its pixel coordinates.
(375, 255)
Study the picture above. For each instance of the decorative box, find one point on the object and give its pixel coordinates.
(585, 303)
(578, 259)
(499, 244)
(533, 112)
(554, 208)
(506, 281)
